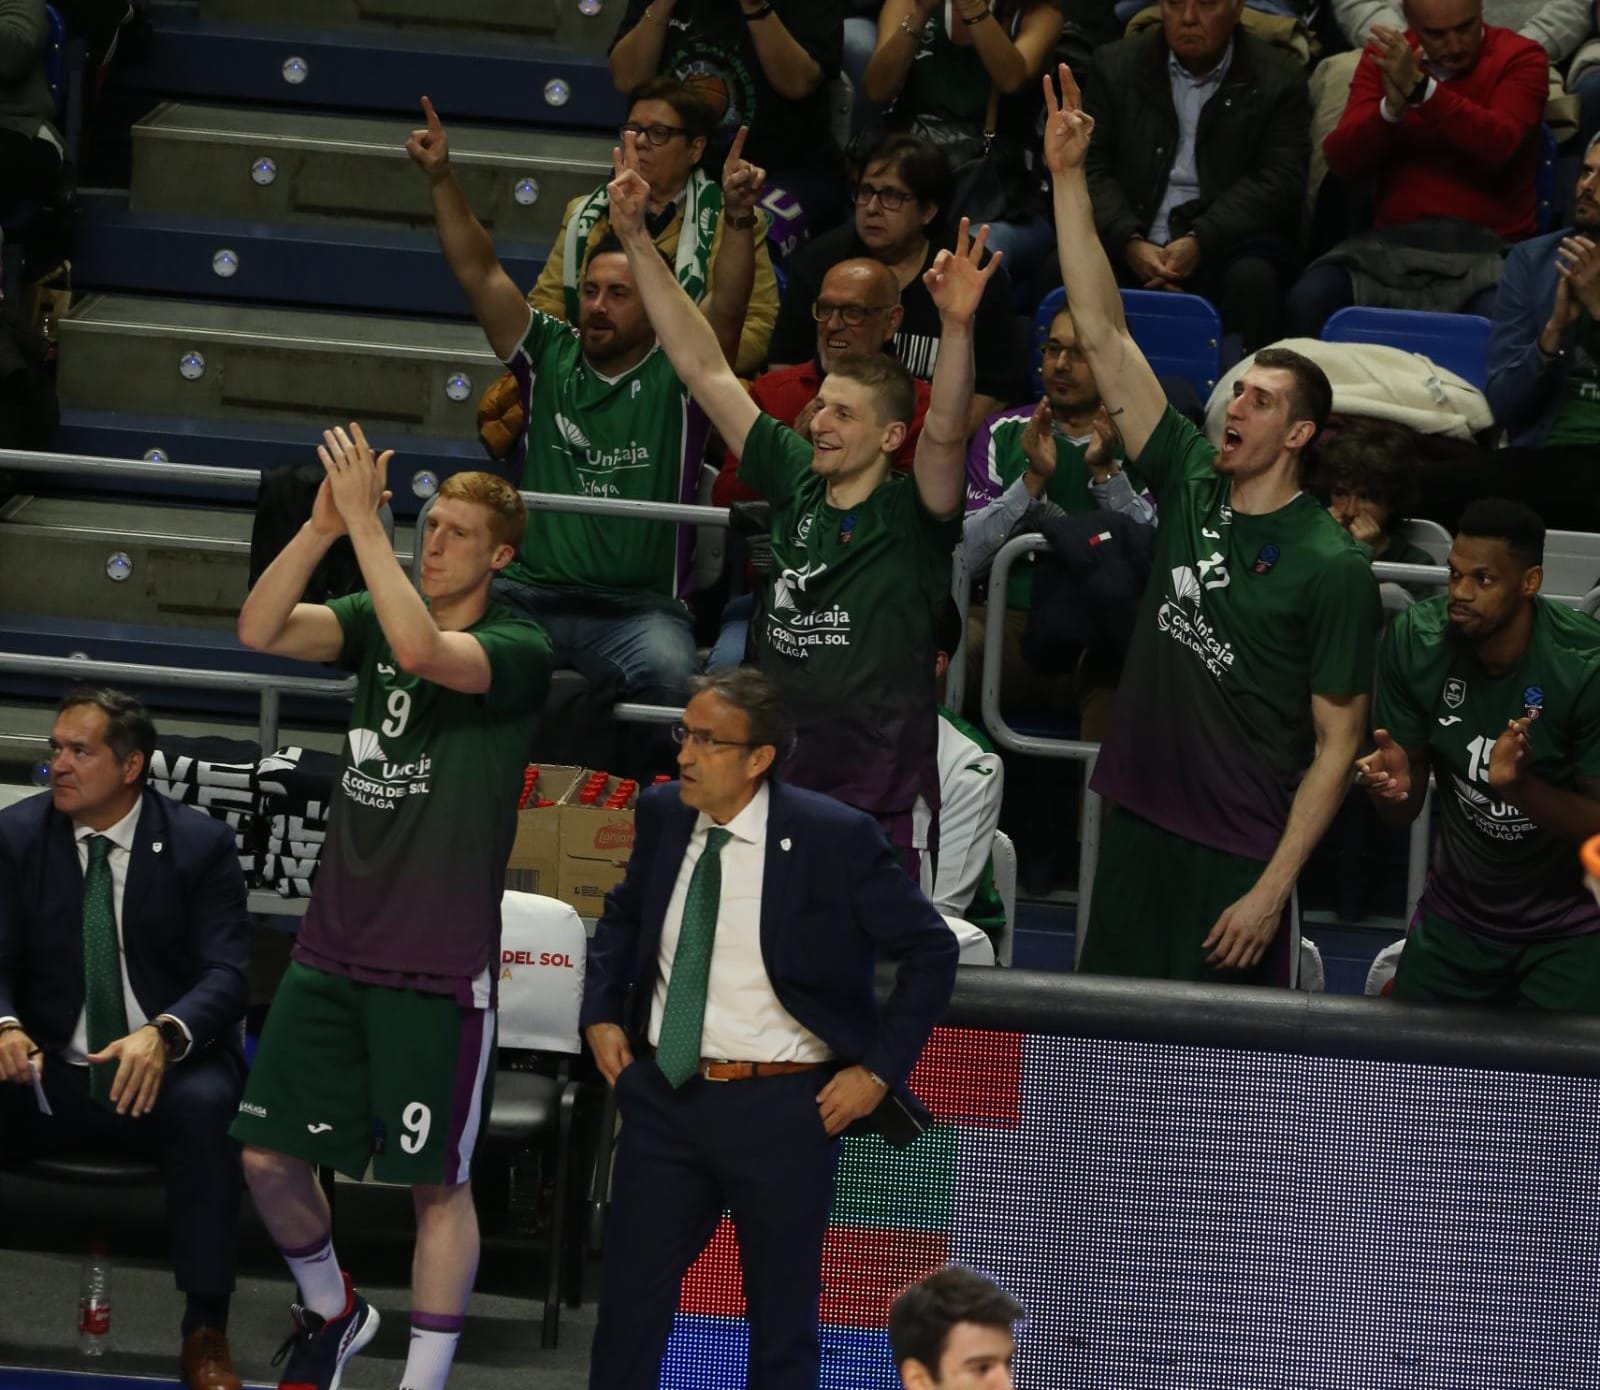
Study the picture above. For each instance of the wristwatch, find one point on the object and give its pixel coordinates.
(740, 221)
(172, 1036)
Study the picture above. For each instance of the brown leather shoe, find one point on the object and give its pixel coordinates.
(205, 1363)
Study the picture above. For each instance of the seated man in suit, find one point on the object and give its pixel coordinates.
(746, 928)
(123, 950)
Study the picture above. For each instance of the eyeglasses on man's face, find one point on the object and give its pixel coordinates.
(656, 134)
(704, 738)
(891, 198)
(853, 315)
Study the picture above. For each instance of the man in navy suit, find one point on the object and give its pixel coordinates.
(123, 950)
(730, 1002)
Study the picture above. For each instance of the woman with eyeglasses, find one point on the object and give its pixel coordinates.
(671, 123)
(765, 64)
(901, 200)
(965, 74)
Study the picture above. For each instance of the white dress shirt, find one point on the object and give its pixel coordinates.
(1189, 97)
(744, 1021)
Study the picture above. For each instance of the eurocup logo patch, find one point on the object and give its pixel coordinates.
(1455, 691)
(1266, 558)
(1532, 702)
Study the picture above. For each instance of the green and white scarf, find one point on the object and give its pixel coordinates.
(702, 206)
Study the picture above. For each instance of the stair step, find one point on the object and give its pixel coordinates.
(183, 564)
(245, 444)
(126, 353)
(563, 21)
(372, 68)
(322, 266)
(294, 166)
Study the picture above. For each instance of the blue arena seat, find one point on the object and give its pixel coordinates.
(1179, 334)
(1457, 342)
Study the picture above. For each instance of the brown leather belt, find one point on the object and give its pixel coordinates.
(714, 1070)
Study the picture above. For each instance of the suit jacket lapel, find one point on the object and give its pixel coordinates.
(136, 886)
(679, 826)
(775, 873)
(63, 876)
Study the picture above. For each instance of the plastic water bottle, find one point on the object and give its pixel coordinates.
(94, 1302)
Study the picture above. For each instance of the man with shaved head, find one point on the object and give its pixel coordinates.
(857, 311)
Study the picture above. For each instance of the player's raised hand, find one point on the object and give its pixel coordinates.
(954, 281)
(429, 147)
(1385, 774)
(1508, 759)
(1067, 126)
(355, 478)
(628, 192)
(742, 182)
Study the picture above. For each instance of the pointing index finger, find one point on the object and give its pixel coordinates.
(736, 150)
(434, 124)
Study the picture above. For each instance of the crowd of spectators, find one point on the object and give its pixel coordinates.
(873, 412)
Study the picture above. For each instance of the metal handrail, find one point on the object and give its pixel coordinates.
(268, 685)
(1073, 750)
(133, 470)
(626, 711)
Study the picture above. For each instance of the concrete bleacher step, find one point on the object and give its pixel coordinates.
(127, 561)
(327, 266)
(588, 25)
(59, 556)
(297, 167)
(228, 361)
(373, 68)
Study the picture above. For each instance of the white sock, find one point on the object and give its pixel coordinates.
(433, 1346)
(316, 1271)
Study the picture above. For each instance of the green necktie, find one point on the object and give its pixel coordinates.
(678, 1051)
(106, 1013)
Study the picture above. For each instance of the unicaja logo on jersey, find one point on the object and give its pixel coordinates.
(364, 747)
(571, 433)
(791, 582)
(1180, 617)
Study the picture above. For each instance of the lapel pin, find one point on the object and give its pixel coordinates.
(786, 843)
(156, 847)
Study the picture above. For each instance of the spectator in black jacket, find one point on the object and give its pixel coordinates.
(1198, 166)
(31, 148)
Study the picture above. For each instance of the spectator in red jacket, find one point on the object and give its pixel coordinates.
(857, 310)
(1443, 119)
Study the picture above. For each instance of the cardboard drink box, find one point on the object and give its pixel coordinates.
(596, 840)
(534, 865)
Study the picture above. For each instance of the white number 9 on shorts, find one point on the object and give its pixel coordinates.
(416, 1119)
